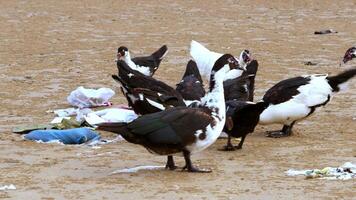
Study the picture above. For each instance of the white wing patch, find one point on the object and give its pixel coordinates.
(155, 104)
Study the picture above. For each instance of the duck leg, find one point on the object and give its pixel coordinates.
(241, 142)
(228, 146)
(189, 166)
(170, 163)
(285, 132)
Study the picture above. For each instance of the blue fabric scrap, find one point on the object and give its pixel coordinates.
(69, 136)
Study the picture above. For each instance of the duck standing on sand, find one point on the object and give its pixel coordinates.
(182, 129)
(295, 99)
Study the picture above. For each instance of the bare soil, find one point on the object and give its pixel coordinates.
(49, 48)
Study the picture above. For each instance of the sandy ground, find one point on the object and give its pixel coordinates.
(48, 48)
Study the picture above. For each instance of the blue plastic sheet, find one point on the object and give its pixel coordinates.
(69, 136)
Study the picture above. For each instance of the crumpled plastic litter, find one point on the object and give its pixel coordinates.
(8, 187)
(67, 112)
(86, 98)
(68, 123)
(138, 168)
(344, 172)
(23, 129)
(97, 117)
(117, 115)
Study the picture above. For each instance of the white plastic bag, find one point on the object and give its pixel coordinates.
(111, 115)
(85, 98)
(117, 115)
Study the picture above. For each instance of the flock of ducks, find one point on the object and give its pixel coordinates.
(188, 119)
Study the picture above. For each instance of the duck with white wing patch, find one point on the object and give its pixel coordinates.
(295, 99)
(146, 65)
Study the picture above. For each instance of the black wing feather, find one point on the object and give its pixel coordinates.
(285, 90)
(173, 126)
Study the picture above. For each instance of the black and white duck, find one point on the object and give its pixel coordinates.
(191, 86)
(146, 94)
(205, 60)
(146, 65)
(349, 55)
(295, 99)
(182, 129)
(242, 88)
(241, 119)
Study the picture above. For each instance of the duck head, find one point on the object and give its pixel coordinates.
(122, 52)
(245, 58)
(349, 55)
(222, 66)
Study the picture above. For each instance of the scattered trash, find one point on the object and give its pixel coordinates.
(8, 187)
(138, 168)
(327, 31)
(310, 63)
(117, 115)
(58, 120)
(69, 136)
(69, 123)
(93, 119)
(95, 143)
(345, 172)
(86, 98)
(28, 128)
(72, 112)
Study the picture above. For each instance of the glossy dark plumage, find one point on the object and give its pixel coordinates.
(191, 86)
(285, 90)
(180, 129)
(237, 88)
(241, 119)
(165, 132)
(242, 88)
(139, 88)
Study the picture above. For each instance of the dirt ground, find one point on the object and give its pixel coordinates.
(48, 48)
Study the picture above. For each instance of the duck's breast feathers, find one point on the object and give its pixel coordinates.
(174, 126)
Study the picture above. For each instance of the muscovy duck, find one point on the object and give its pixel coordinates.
(146, 65)
(205, 60)
(295, 99)
(191, 86)
(146, 94)
(182, 129)
(241, 119)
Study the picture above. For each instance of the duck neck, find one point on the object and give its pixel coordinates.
(214, 99)
(128, 60)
